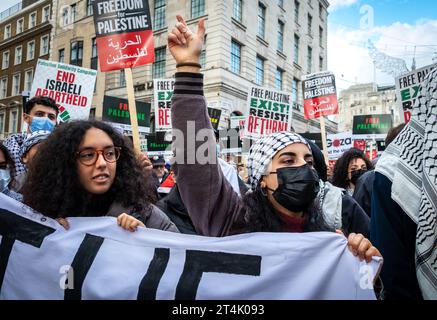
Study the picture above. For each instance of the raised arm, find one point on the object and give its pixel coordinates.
(212, 204)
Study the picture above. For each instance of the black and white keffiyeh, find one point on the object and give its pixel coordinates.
(410, 162)
(262, 152)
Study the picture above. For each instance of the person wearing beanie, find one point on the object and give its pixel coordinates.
(284, 183)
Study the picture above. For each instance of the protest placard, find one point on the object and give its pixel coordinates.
(70, 86)
(268, 111)
(124, 33)
(407, 88)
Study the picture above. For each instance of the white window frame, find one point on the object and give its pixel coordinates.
(41, 53)
(15, 55)
(28, 57)
(2, 122)
(7, 35)
(3, 59)
(6, 87)
(30, 20)
(11, 122)
(43, 18)
(17, 92)
(26, 80)
(20, 21)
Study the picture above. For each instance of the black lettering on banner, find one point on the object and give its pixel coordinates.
(14, 227)
(150, 282)
(198, 262)
(82, 262)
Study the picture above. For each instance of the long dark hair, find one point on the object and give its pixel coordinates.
(261, 216)
(339, 178)
(53, 188)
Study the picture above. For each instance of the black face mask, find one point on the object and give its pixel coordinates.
(297, 187)
(356, 174)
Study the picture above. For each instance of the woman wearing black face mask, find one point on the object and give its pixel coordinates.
(348, 168)
(284, 184)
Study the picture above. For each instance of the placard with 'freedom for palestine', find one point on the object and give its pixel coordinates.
(124, 33)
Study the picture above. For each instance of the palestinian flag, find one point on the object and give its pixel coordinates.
(167, 184)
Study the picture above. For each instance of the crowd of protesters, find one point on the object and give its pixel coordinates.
(88, 169)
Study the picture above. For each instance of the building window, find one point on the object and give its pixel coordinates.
(16, 84)
(5, 60)
(61, 55)
(3, 87)
(296, 11)
(278, 78)
(93, 48)
(13, 122)
(94, 57)
(122, 78)
(89, 8)
(237, 12)
(159, 64)
(28, 78)
(321, 11)
(321, 36)
(76, 53)
(73, 13)
(202, 58)
(30, 50)
(44, 46)
(197, 8)
(32, 20)
(294, 91)
(7, 34)
(18, 55)
(320, 63)
(159, 20)
(296, 49)
(46, 14)
(235, 57)
(310, 59)
(259, 74)
(261, 20)
(280, 35)
(310, 24)
(65, 16)
(20, 25)
(2, 123)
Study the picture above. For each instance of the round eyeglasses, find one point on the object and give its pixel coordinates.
(89, 156)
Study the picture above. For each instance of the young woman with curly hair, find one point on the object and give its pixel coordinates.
(84, 169)
(348, 168)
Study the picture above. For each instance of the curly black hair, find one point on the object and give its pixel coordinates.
(53, 188)
(262, 217)
(339, 177)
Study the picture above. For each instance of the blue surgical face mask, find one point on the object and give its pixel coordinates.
(41, 124)
(5, 178)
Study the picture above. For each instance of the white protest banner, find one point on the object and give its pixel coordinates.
(70, 86)
(97, 259)
(268, 111)
(338, 144)
(407, 88)
(162, 92)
